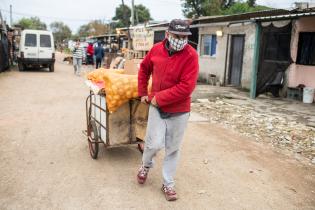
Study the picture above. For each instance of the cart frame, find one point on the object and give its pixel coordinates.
(93, 133)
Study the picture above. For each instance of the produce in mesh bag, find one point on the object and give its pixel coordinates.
(119, 89)
(97, 75)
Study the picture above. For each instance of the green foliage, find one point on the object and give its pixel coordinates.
(227, 3)
(142, 14)
(93, 28)
(251, 3)
(194, 8)
(32, 23)
(198, 8)
(60, 31)
(242, 7)
(123, 14)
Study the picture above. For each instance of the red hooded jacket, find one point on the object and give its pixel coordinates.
(173, 77)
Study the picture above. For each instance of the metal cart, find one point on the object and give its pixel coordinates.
(126, 126)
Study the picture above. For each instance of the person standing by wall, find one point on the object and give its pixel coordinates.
(77, 57)
(173, 65)
(99, 55)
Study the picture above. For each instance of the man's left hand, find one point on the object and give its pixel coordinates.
(153, 101)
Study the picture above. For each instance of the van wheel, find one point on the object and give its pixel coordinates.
(21, 66)
(51, 67)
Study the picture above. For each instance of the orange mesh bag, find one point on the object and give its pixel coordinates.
(97, 75)
(119, 89)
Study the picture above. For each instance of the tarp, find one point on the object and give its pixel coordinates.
(274, 56)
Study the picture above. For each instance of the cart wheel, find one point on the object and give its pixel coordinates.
(93, 134)
(141, 147)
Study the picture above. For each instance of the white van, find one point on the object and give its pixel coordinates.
(36, 49)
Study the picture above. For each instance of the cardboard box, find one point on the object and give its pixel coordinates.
(132, 66)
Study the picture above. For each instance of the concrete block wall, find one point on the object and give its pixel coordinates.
(215, 65)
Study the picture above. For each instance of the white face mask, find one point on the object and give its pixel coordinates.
(177, 44)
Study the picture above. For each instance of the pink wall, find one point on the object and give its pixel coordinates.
(301, 74)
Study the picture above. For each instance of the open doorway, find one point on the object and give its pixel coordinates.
(274, 58)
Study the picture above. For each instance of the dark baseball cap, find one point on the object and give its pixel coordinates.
(180, 27)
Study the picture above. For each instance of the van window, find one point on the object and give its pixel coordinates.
(30, 40)
(45, 41)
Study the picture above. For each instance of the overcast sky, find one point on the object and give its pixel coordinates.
(78, 12)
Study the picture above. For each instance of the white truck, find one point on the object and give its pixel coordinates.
(36, 49)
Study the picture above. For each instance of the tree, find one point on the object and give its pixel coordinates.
(227, 3)
(93, 28)
(32, 23)
(251, 3)
(197, 8)
(142, 14)
(242, 7)
(60, 31)
(193, 8)
(123, 14)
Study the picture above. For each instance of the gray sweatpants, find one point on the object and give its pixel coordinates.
(164, 133)
(77, 63)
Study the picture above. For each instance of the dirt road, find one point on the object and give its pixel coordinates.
(45, 163)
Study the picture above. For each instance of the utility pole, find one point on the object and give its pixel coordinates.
(132, 12)
(11, 20)
(137, 17)
(125, 19)
(124, 11)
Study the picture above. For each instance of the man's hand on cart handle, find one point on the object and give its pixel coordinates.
(153, 102)
(145, 99)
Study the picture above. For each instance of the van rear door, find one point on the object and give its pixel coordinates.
(45, 46)
(30, 46)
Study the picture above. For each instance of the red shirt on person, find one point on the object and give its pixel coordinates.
(173, 77)
(90, 49)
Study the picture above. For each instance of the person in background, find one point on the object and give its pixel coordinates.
(10, 46)
(99, 55)
(90, 54)
(62, 46)
(173, 66)
(77, 57)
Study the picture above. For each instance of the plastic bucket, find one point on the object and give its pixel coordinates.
(308, 95)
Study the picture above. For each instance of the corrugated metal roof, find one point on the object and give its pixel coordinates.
(148, 25)
(242, 16)
(258, 16)
(106, 35)
(283, 17)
